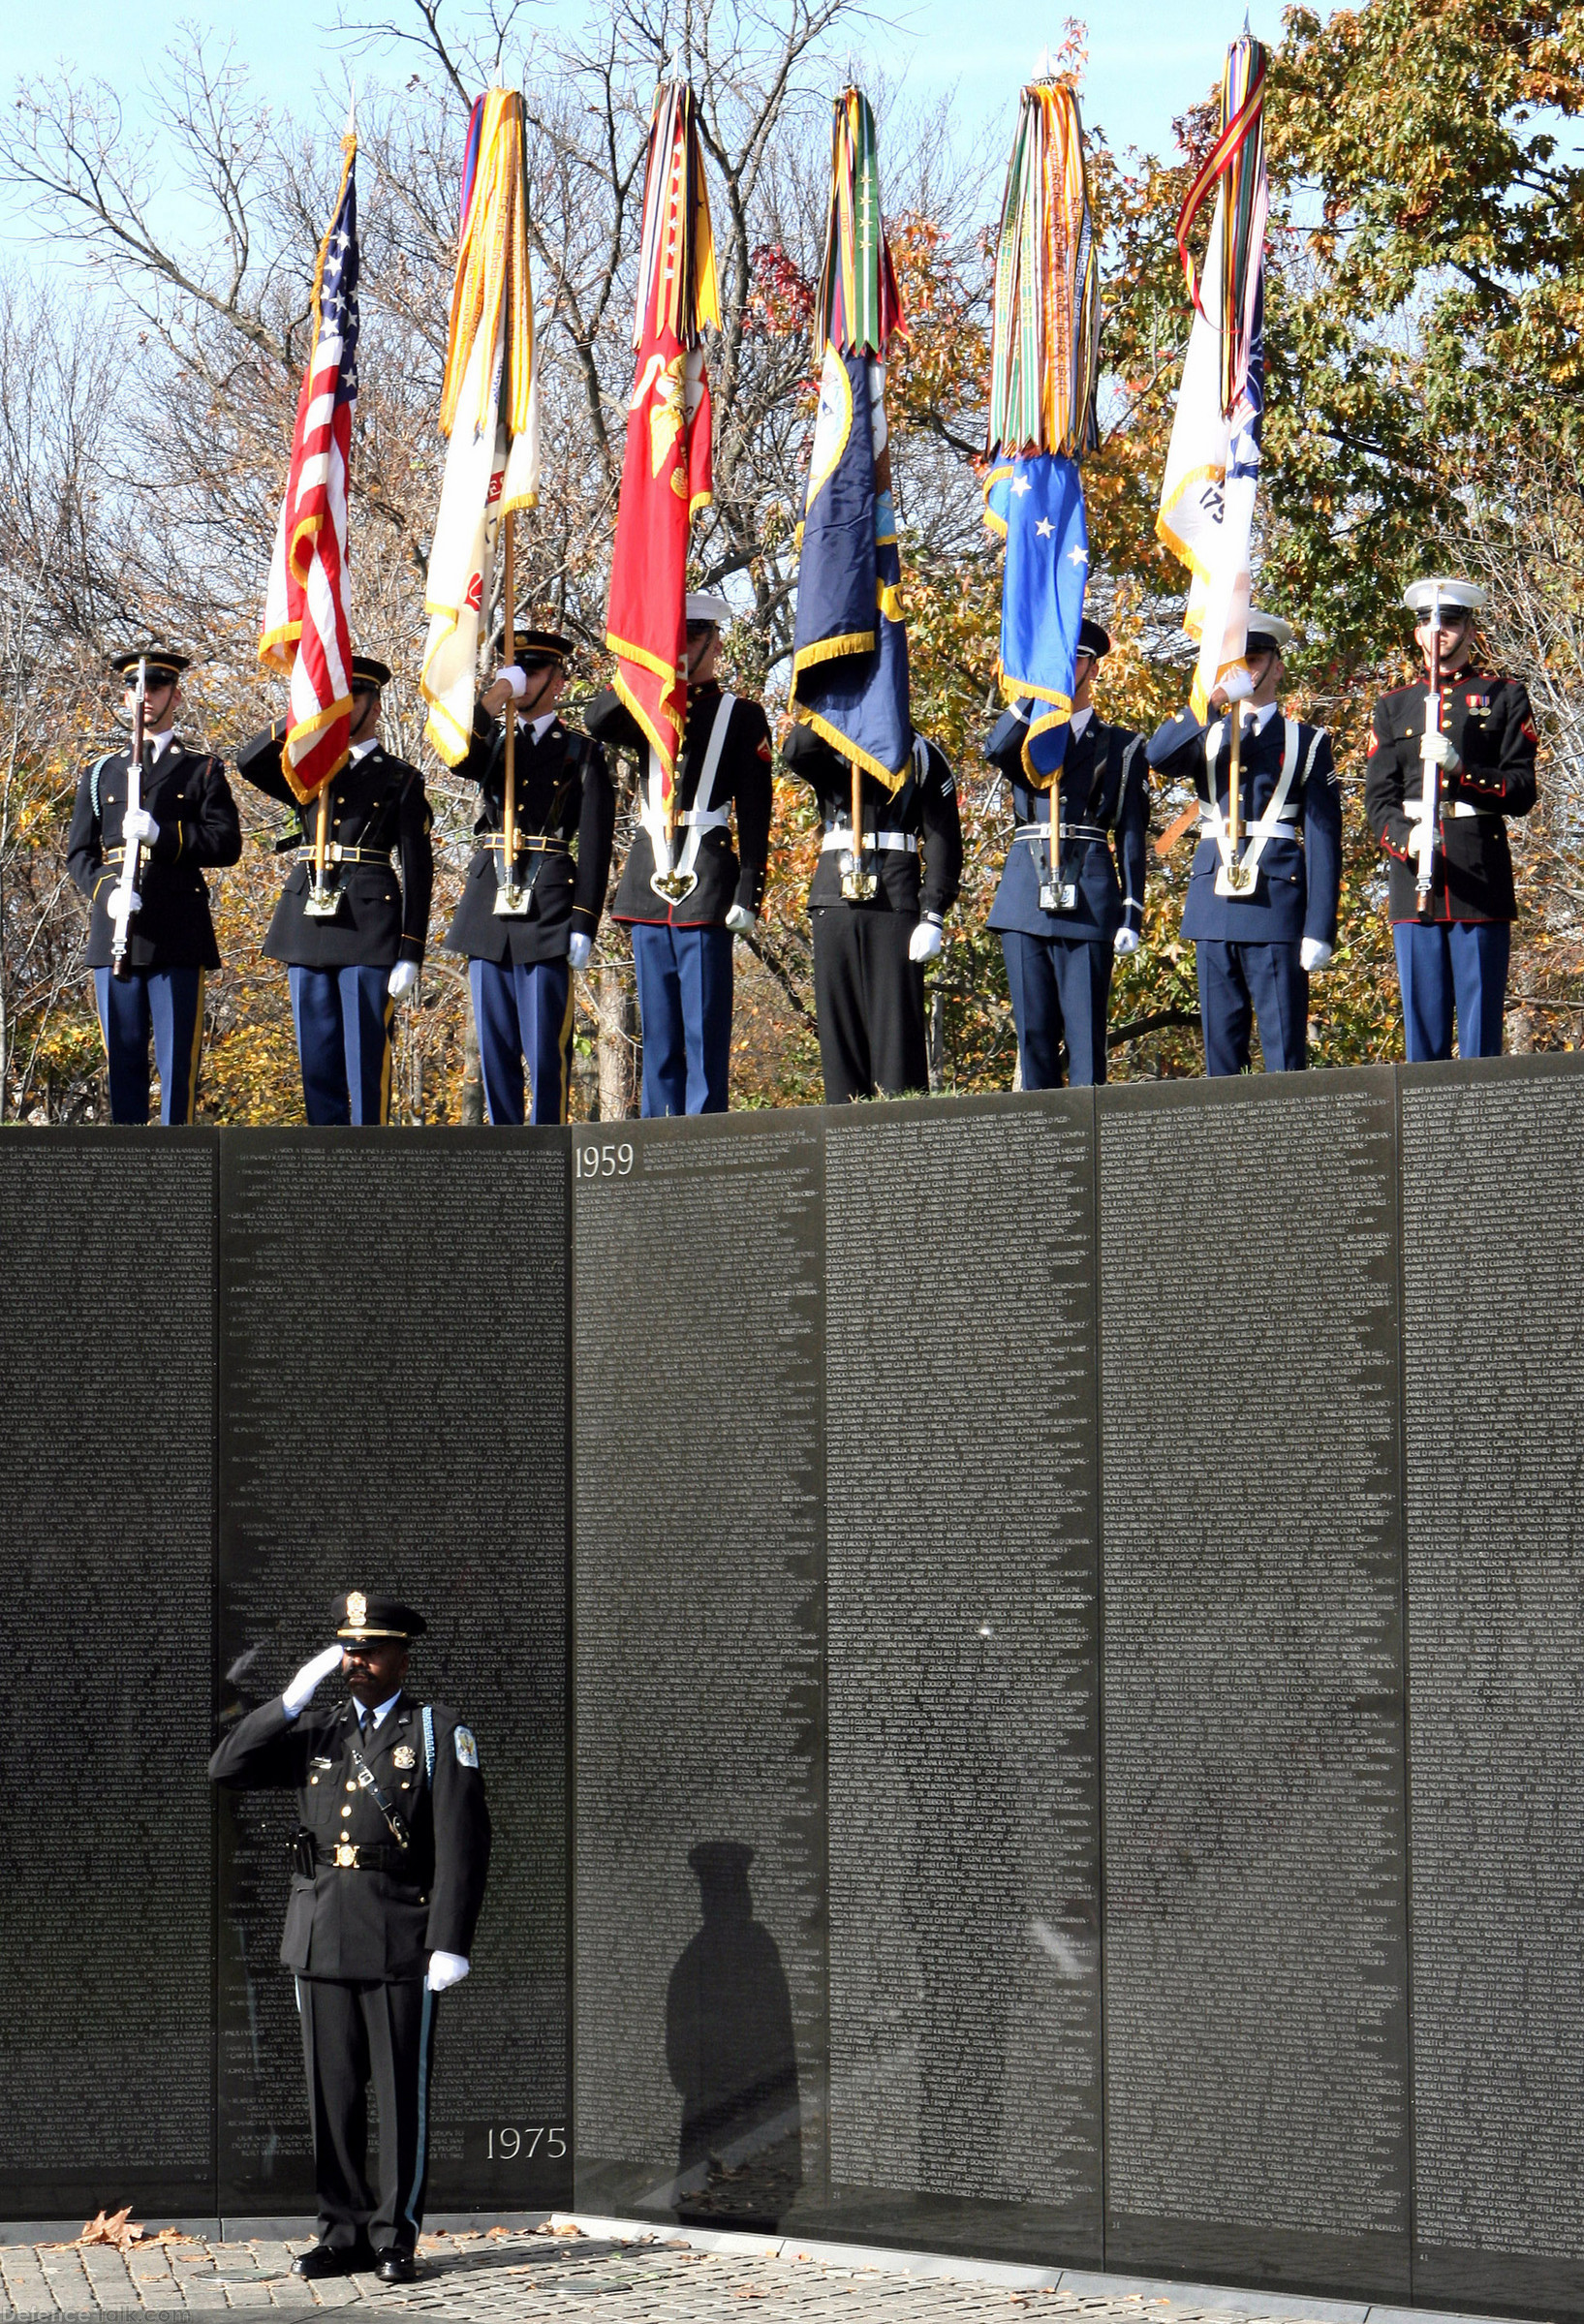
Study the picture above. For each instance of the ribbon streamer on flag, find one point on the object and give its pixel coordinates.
(665, 476)
(307, 622)
(488, 408)
(1207, 496)
(1044, 367)
(850, 653)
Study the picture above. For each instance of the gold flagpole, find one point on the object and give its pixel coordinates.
(1235, 782)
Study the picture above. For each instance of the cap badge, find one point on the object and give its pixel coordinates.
(356, 1609)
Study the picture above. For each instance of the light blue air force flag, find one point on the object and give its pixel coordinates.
(1037, 506)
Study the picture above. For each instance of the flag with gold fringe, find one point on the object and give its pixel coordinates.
(666, 474)
(488, 408)
(1207, 496)
(850, 653)
(1044, 367)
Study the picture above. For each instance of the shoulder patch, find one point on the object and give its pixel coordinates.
(467, 1751)
(1373, 745)
(762, 746)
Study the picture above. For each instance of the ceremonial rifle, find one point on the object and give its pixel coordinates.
(1430, 786)
(126, 887)
(510, 900)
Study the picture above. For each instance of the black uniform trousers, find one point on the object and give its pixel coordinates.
(870, 1000)
(353, 2034)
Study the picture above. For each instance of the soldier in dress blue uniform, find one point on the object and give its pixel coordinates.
(1263, 916)
(1454, 944)
(1063, 923)
(869, 955)
(354, 950)
(388, 1869)
(682, 918)
(520, 960)
(185, 824)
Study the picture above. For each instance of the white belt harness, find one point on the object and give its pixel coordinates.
(1279, 817)
(701, 817)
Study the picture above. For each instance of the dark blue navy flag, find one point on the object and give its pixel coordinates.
(1037, 506)
(849, 657)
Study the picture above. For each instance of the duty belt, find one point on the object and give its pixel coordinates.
(347, 1856)
(840, 835)
(335, 853)
(1063, 831)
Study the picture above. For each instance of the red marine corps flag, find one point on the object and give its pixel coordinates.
(666, 474)
(307, 627)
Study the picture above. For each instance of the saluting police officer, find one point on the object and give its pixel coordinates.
(388, 1869)
(352, 943)
(1261, 909)
(1062, 913)
(530, 908)
(186, 821)
(877, 918)
(1452, 937)
(683, 905)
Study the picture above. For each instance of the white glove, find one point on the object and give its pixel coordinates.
(1437, 749)
(445, 1968)
(925, 941)
(739, 920)
(517, 680)
(1314, 953)
(579, 951)
(135, 902)
(403, 978)
(310, 1677)
(1127, 940)
(137, 826)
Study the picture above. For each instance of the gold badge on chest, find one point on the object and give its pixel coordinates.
(404, 1756)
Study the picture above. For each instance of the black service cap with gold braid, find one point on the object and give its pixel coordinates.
(361, 1619)
(162, 663)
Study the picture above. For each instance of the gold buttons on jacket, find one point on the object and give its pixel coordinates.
(346, 1811)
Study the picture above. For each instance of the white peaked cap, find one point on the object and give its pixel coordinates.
(1456, 597)
(704, 606)
(1270, 625)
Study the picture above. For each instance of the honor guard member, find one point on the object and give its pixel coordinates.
(1063, 915)
(387, 1877)
(141, 861)
(1466, 753)
(877, 918)
(1261, 909)
(350, 933)
(528, 912)
(683, 898)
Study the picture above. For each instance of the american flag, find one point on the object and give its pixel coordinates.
(307, 627)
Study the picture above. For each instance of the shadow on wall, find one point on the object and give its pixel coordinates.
(730, 2051)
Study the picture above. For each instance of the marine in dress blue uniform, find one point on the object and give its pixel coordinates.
(1454, 944)
(521, 964)
(347, 971)
(186, 824)
(389, 1866)
(1263, 919)
(682, 939)
(1063, 925)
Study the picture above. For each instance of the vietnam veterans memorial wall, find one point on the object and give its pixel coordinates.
(1069, 1608)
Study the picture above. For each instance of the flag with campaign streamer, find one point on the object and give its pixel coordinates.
(488, 408)
(1212, 473)
(1045, 364)
(307, 622)
(666, 473)
(849, 650)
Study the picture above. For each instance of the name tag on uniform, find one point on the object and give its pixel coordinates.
(316, 1761)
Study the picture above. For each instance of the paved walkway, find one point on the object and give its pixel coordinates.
(519, 2276)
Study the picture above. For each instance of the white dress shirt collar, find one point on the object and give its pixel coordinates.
(360, 750)
(1081, 718)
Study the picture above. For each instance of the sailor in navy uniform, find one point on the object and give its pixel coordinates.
(1454, 943)
(388, 1867)
(869, 954)
(1264, 916)
(186, 824)
(683, 914)
(350, 964)
(527, 919)
(1063, 923)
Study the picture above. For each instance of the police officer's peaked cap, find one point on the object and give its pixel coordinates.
(1093, 640)
(162, 661)
(721, 1860)
(367, 672)
(362, 1620)
(533, 646)
(1455, 596)
(1268, 631)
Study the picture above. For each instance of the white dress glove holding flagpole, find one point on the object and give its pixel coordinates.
(739, 920)
(925, 941)
(403, 978)
(445, 1968)
(580, 950)
(310, 1677)
(1314, 953)
(1127, 940)
(1438, 748)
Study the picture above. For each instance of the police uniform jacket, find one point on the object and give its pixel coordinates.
(187, 795)
(742, 778)
(1103, 795)
(1491, 727)
(1299, 880)
(378, 1921)
(924, 810)
(563, 796)
(375, 804)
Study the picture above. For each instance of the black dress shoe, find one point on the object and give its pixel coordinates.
(326, 2259)
(396, 2267)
